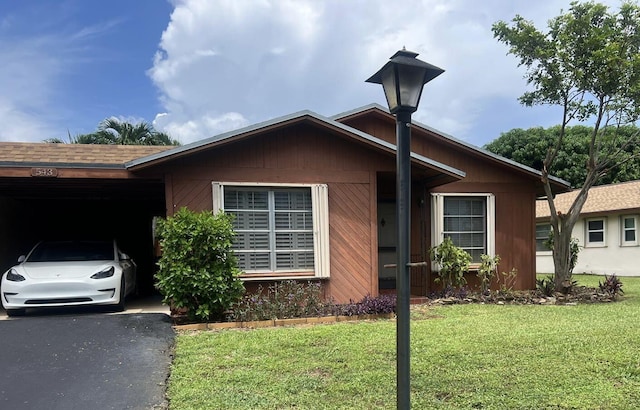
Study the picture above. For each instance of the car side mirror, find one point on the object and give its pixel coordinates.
(124, 257)
(21, 258)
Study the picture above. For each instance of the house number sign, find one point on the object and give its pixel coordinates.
(44, 172)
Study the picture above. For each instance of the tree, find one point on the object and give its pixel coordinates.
(116, 132)
(529, 147)
(112, 131)
(587, 63)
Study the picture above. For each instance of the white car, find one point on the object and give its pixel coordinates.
(68, 273)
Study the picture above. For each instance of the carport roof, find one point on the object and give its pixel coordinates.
(13, 154)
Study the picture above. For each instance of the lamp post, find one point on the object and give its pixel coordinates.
(402, 79)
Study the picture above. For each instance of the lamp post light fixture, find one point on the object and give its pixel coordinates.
(402, 79)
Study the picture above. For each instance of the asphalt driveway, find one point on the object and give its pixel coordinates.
(85, 361)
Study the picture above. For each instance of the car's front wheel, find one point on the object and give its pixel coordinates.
(16, 312)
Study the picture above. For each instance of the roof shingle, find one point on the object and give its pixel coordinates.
(603, 198)
(24, 153)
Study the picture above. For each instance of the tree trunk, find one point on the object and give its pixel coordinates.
(562, 225)
(562, 255)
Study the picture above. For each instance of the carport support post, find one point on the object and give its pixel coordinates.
(403, 273)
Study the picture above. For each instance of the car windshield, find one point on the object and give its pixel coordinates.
(72, 251)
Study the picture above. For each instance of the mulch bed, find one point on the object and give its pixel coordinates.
(577, 294)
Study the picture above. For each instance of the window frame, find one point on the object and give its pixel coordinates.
(320, 218)
(623, 230)
(547, 250)
(437, 220)
(587, 233)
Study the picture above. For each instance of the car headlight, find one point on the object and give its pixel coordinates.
(14, 276)
(107, 273)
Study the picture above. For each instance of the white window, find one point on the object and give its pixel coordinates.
(595, 232)
(281, 230)
(629, 226)
(542, 236)
(468, 219)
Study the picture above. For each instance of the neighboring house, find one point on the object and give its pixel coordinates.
(607, 230)
(313, 197)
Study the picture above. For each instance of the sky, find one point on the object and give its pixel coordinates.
(197, 68)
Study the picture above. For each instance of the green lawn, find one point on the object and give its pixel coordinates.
(462, 357)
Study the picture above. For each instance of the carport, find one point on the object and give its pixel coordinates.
(72, 190)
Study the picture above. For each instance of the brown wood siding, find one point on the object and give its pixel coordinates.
(514, 194)
(515, 225)
(352, 272)
(301, 155)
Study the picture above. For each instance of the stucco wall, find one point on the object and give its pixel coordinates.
(613, 258)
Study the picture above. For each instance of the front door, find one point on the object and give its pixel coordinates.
(387, 239)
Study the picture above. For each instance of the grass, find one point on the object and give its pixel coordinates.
(462, 357)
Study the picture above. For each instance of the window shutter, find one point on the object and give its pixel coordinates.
(437, 212)
(491, 225)
(320, 206)
(218, 197)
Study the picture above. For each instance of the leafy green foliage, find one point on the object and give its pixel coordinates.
(453, 262)
(611, 285)
(197, 269)
(487, 271)
(529, 147)
(588, 64)
(112, 131)
(546, 286)
(574, 249)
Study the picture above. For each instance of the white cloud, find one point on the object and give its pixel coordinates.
(263, 59)
(194, 129)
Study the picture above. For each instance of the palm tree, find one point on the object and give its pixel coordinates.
(112, 131)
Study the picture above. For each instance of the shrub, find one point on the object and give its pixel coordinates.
(368, 306)
(282, 300)
(453, 263)
(197, 269)
(487, 271)
(612, 285)
(546, 286)
(291, 299)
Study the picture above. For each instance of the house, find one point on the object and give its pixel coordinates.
(607, 230)
(314, 198)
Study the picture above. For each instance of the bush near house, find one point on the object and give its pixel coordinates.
(453, 262)
(198, 271)
(297, 299)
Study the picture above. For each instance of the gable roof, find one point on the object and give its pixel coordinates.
(287, 120)
(557, 183)
(601, 199)
(33, 154)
